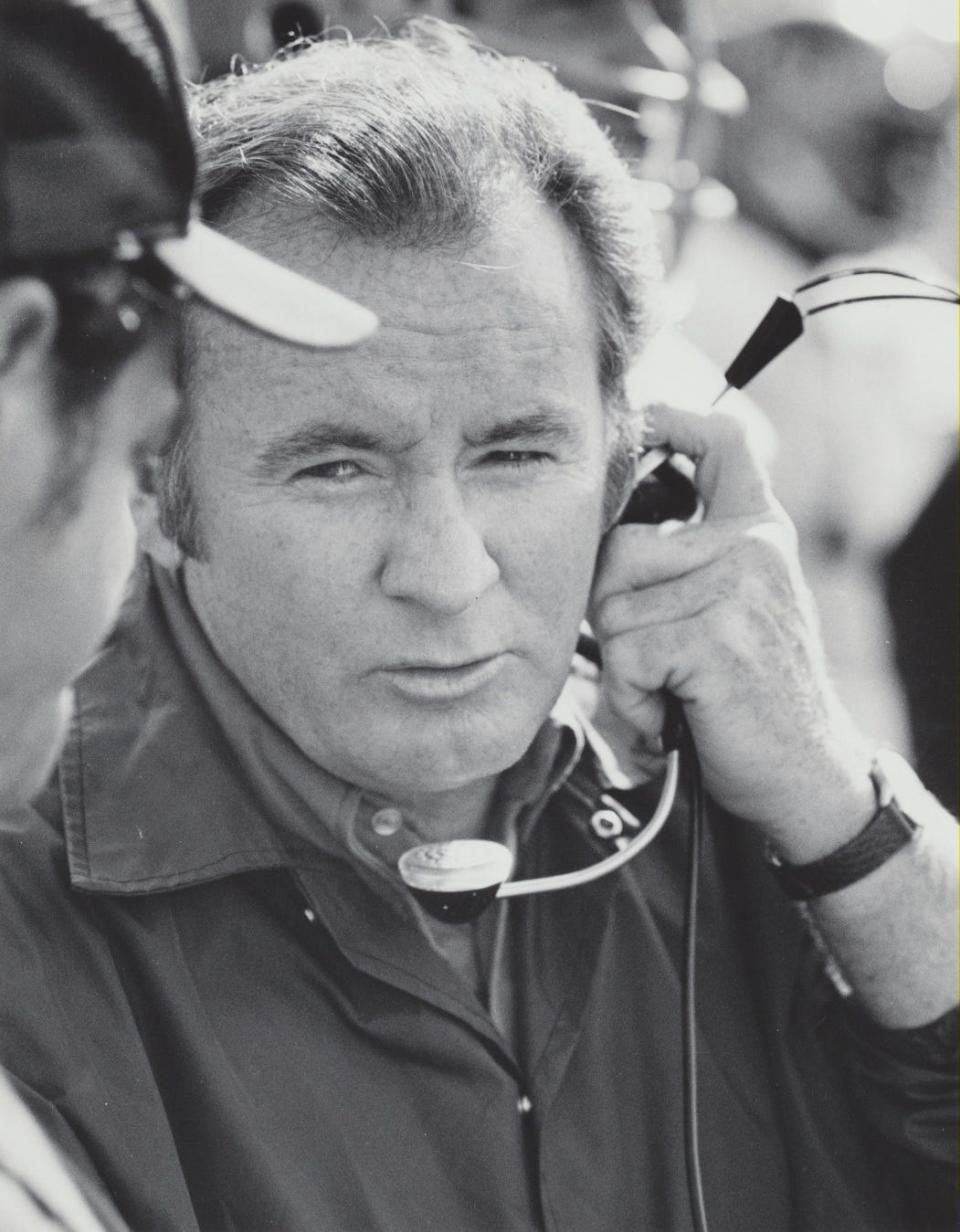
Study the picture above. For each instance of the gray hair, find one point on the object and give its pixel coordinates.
(423, 139)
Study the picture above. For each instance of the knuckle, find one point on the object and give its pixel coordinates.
(767, 547)
(629, 666)
(615, 613)
(619, 657)
(728, 627)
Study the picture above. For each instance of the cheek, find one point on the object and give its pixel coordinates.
(548, 550)
(108, 557)
(279, 583)
(86, 576)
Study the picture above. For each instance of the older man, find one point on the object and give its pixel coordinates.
(368, 577)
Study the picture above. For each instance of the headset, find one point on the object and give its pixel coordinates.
(455, 881)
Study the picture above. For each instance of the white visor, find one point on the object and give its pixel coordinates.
(261, 293)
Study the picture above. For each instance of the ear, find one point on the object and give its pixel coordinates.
(29, 440)
(146, 517)
(28, 329)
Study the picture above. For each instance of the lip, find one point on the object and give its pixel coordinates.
(429, 682)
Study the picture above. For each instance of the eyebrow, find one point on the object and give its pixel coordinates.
(310, 440)
(546, 425)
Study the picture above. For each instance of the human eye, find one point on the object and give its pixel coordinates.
(516, 459)
(338, 470)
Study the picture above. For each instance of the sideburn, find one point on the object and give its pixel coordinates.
(619, 481)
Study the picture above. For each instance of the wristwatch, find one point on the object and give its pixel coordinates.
(889, 830)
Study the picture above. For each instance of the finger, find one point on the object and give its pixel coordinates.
(681, 599)
(731, 479)
(645, 663)
(752, 568)
(630, 691)
(636, 744)
(634, 556)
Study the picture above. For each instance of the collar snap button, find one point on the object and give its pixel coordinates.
(386, 821)
(606, 824)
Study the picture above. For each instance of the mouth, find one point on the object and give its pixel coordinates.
(429, 681)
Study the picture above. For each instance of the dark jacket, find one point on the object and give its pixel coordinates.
(215, 1013)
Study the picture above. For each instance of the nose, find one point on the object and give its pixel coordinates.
(436, 555)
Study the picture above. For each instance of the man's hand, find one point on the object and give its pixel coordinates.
(718, 613)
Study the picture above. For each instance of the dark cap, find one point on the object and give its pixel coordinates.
(96, 157)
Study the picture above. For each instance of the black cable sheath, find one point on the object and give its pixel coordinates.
(867, 299)
(688, 997)
(876, 271)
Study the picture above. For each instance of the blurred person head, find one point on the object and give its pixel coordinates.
(97, 251)
(846, 144)
(392, 551)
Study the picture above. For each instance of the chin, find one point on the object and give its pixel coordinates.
(452, 759)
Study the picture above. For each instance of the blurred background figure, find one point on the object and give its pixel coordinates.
(845, 157)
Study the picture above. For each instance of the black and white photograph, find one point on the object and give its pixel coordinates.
(478, 616)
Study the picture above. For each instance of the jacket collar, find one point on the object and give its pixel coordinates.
(173, 776)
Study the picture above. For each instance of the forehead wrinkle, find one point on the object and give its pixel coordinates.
(510, 339)
(218, 343)
(505, 345)
(535, 321)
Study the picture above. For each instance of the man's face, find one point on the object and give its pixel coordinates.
(65, 570)
(400, 539)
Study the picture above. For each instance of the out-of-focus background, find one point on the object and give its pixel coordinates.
(775, 139)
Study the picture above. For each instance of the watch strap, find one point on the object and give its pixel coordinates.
(887, 832)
